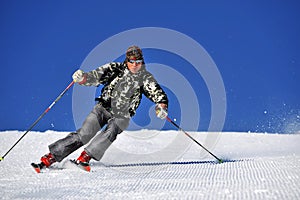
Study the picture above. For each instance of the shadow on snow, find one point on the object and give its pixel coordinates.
(174, 163)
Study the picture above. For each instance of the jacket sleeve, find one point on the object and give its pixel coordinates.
(153, 91)
(102, 74)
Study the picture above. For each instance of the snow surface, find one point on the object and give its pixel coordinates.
(158, 165)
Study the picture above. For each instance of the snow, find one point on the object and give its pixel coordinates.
(150, 164)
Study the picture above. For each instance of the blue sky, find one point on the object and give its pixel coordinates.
(254, 44)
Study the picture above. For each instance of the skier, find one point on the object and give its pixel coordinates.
(124, 83)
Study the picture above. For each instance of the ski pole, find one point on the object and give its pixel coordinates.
(38, 119)
(179, 128)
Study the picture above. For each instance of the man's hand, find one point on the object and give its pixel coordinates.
(78, 76)
(161, 110)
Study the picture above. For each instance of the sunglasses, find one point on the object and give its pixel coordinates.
(136, 61)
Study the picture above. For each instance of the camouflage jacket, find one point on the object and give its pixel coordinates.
(122, 91)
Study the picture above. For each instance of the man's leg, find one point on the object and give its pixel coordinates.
(92, 124)
(102, 141)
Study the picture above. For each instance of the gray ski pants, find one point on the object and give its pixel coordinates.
(98, 143)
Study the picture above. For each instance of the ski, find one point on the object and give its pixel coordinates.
(38, 167)
(82, 165)
(41, 168)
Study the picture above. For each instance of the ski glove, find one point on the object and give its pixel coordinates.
(161, 110)
(79, 77)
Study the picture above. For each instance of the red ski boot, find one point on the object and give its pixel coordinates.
(46, 161)
(83, 161)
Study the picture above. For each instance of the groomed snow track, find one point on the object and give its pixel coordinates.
(262, 166)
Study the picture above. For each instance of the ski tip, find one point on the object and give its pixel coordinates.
(1, 158)
(87, 168)
(36, 167)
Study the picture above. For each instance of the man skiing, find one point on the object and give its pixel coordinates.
(124, 84)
